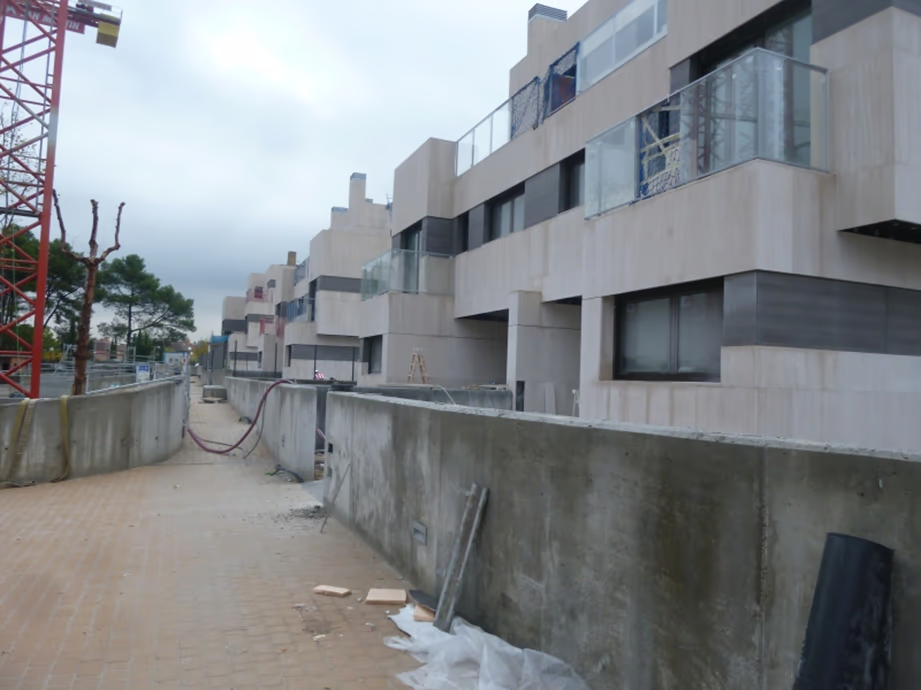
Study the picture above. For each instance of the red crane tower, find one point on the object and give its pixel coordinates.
(31, 57)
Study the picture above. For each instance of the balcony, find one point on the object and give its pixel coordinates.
(761, 105)
(300, 272)
(257, 294)
(517, 115)
(402, 270)
(301, 309)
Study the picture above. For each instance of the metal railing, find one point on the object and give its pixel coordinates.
(301, 309)
(300, 272)
(403, 270)
(762, 105)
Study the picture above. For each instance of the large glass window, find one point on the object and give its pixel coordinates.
(506, 216)
(629, 32)
(673, 335)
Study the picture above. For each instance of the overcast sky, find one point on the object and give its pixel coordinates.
(230, 127)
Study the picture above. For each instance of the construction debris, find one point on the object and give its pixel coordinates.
(386, 596)
(470, 659)
(423, 614)
(328, 591)
(470, 523)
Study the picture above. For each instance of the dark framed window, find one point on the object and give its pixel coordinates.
(374, 354)
(572, 182)
(506, 214)
(288, 356)
(462, 226)
(671, 334)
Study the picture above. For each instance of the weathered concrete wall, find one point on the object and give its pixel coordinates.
(289, 429)
(486, 398)
(646, 557)
(108, 431)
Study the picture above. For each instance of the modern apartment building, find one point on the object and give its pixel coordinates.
(321, 333)
(689, 213)
(252, 324)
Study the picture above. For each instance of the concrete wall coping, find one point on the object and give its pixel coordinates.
(752, 440)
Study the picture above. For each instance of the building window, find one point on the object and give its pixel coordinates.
(288, 355)
(672, 335)
(573, 182)
(506, 214)
(374, 354)
(259, 360)
(629, 32)
(257, 292)
(463, 233)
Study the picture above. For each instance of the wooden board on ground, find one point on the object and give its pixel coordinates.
(328, 591)
(386, 596)
(423, 614)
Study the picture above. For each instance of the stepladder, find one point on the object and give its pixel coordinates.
(417, 365)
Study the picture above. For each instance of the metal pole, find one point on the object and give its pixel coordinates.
(354, 352)
(235, 346)
(275, 361)
(314, 360)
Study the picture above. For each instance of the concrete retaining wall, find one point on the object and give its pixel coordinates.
(647, 558)
(107, 431)
(289, 430)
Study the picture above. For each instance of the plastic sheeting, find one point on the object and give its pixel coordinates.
(470, 659)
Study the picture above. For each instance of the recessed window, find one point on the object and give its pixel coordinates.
(671, 335)
(572, 180)
(374, 354)
(506, 215)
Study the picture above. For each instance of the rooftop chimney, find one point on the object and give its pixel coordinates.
(545, 12)
(292, 258)
(357, 188)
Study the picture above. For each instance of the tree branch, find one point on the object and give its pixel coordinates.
(118, 227)
(94, 246)
(64, 249)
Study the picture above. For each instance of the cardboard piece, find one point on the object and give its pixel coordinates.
(392, 597)
(328, 591)
(423, 614)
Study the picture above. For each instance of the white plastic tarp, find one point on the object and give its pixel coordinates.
(470, 659)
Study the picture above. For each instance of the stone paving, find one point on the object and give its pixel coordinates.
(191, 574)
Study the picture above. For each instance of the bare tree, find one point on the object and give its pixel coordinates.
(92, 262)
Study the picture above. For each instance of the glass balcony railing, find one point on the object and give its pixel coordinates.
(300, 272)
(517, 115)
(403, 270)
(761, 105)
(301, 309)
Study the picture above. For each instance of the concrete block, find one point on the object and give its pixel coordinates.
(216, 392)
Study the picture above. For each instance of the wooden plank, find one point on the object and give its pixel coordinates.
(386, 596)
(423, 614)
(329, 591)
(463, 545)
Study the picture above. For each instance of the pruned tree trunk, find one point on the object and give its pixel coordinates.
(92, 262)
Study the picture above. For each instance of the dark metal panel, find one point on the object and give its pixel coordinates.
(244, 356)
(682, 74)
(337, 353)
(255, 318)
(800, 311)
(438, 235)
(832, 16)
(338, 284)
(740, 301)
(233, 326)
(542, 196)
(333, 353)
(903, 322)
(477, 226)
